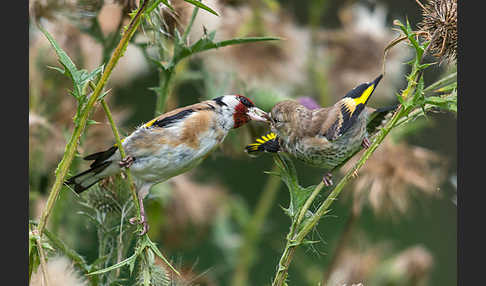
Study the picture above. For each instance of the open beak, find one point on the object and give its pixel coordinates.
(257, 114)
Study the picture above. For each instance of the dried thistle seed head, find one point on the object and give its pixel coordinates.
(413, 264)
(439, 26)
(356, 264)
(60, 271)
(392, 171)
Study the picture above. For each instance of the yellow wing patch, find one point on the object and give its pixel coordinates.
(259, 141)
(150, 123)
(350, 104)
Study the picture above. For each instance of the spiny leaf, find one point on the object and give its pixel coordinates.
(447, 88)
(69, 67)
(156, 3)
(202, 6)
(443, 81)
(115, 266)
(206, 43)
(63, 58)
(288, 174)
(98, 262)
(447, 102)
(159, 254)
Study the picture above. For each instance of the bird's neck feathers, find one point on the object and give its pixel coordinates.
(233, 109)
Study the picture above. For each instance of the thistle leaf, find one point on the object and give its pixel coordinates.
(288, 174)
(202, 6)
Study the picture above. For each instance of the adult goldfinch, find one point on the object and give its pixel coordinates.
(170, 144)
(323, 137)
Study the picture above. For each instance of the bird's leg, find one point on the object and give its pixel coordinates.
(127, 162)
(366, 143)
(141, 194)
(143, 218)
(327, 179)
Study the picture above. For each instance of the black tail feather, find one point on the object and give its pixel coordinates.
(78, 186)
(99, 157)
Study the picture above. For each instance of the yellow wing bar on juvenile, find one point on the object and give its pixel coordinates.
(267, 143)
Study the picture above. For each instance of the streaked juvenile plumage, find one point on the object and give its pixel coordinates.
(323, 137)
(170, 144)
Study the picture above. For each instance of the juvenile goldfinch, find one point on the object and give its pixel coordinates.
(323, 137)
(170, 144)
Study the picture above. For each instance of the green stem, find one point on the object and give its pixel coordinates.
(70, 253)
(311, 222)
(287, 255)
(166, 75)
(189, 26)
(133, 189)
(71, 146)
(253, 230)
(440, 82)
(309, 201)
(294, 240)
(165, 81)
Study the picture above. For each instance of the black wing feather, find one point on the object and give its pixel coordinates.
(166, 121)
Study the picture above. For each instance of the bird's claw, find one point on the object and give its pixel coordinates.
(327, 179)
(127, 162)
(366, 143)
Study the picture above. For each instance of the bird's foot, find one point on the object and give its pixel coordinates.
(143, 221)
(127, 162)
(366, 143)
(327, 179)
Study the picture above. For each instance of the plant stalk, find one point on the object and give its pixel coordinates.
(71, 147)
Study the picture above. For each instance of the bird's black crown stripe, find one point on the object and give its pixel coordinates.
(357, 91)
(219, 101)
(164, 122)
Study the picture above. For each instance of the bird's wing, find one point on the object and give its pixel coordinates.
(173, 116)
(326, 122)
(376, 117)
(267, 143)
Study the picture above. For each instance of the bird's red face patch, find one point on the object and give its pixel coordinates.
(240, 116)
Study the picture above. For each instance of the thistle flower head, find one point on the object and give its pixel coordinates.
(439, 26)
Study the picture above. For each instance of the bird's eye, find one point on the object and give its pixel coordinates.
(246, 102)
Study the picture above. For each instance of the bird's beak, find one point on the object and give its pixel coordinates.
(257, 114)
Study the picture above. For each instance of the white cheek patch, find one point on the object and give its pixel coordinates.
(230, 101)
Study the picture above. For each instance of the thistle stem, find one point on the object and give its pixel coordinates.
(71, 146)
(133, 189)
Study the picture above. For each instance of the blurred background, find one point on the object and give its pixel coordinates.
(394, 225)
